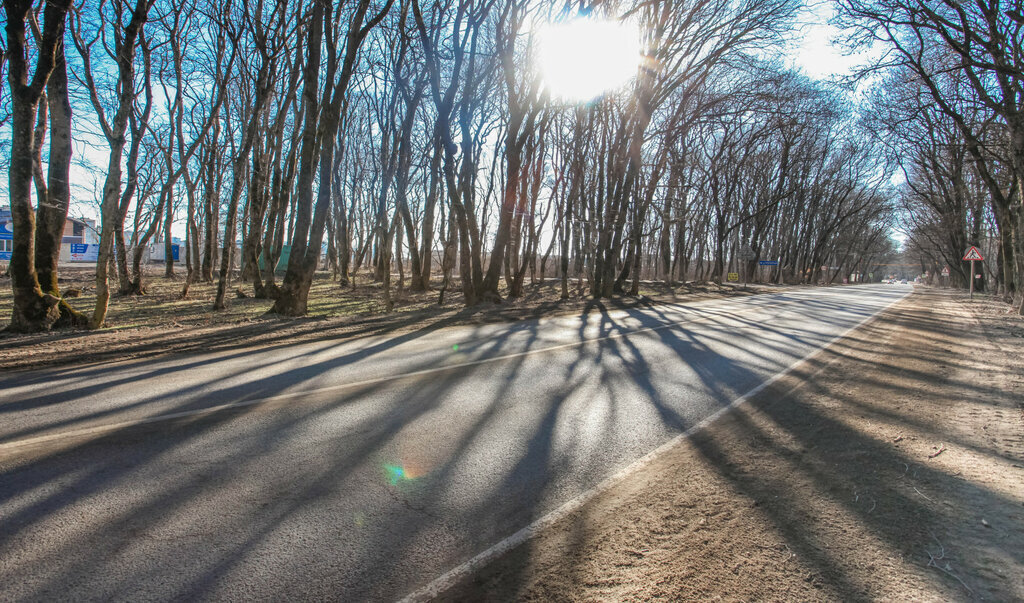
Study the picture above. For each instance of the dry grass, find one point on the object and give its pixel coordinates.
(161, 321)
(163, 305)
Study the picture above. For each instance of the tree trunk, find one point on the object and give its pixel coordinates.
(168, 239)
(33, 309)
(51, 217)
(427, 237)
(321, 129)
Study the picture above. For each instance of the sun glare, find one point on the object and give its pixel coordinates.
(583, 59)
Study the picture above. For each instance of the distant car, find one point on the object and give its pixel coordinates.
(903, 282)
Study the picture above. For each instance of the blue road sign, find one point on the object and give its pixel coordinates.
(769, 262)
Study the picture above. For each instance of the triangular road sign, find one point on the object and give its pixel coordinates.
(973, 254)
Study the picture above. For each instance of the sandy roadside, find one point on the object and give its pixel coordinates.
(890, 467)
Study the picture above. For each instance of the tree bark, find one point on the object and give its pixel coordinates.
(52, 215)
(33, 309)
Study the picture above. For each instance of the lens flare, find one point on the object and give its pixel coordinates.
(396, 474)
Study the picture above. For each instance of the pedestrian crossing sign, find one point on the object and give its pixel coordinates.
(973, 255)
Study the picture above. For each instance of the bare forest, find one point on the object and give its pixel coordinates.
(430, 146)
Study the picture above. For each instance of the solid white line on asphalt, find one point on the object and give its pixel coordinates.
(456, 575)
(198, 412)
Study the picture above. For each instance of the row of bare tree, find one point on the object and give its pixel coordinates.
(401, 135)
(949, 108)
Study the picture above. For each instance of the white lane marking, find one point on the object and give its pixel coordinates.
(111, 427)
(459, 573)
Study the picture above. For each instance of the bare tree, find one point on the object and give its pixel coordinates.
(34, 309)
(322, 122)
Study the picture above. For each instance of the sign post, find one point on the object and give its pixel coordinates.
(972, 255)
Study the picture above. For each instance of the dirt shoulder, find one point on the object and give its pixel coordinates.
(889, 467)
(162, 323)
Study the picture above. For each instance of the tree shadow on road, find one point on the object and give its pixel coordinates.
(327, 482)
(812, 476)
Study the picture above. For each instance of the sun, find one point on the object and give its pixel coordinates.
(582, 59)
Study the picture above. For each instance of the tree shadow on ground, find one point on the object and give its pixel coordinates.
(78, 347)
(332, 482)
(815, 459)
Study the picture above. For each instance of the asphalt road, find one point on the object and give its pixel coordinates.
(362, 470)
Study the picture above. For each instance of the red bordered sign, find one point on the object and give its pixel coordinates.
(973, 255)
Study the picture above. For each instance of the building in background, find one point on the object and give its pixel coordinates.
(6, 235)
(78, 232)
